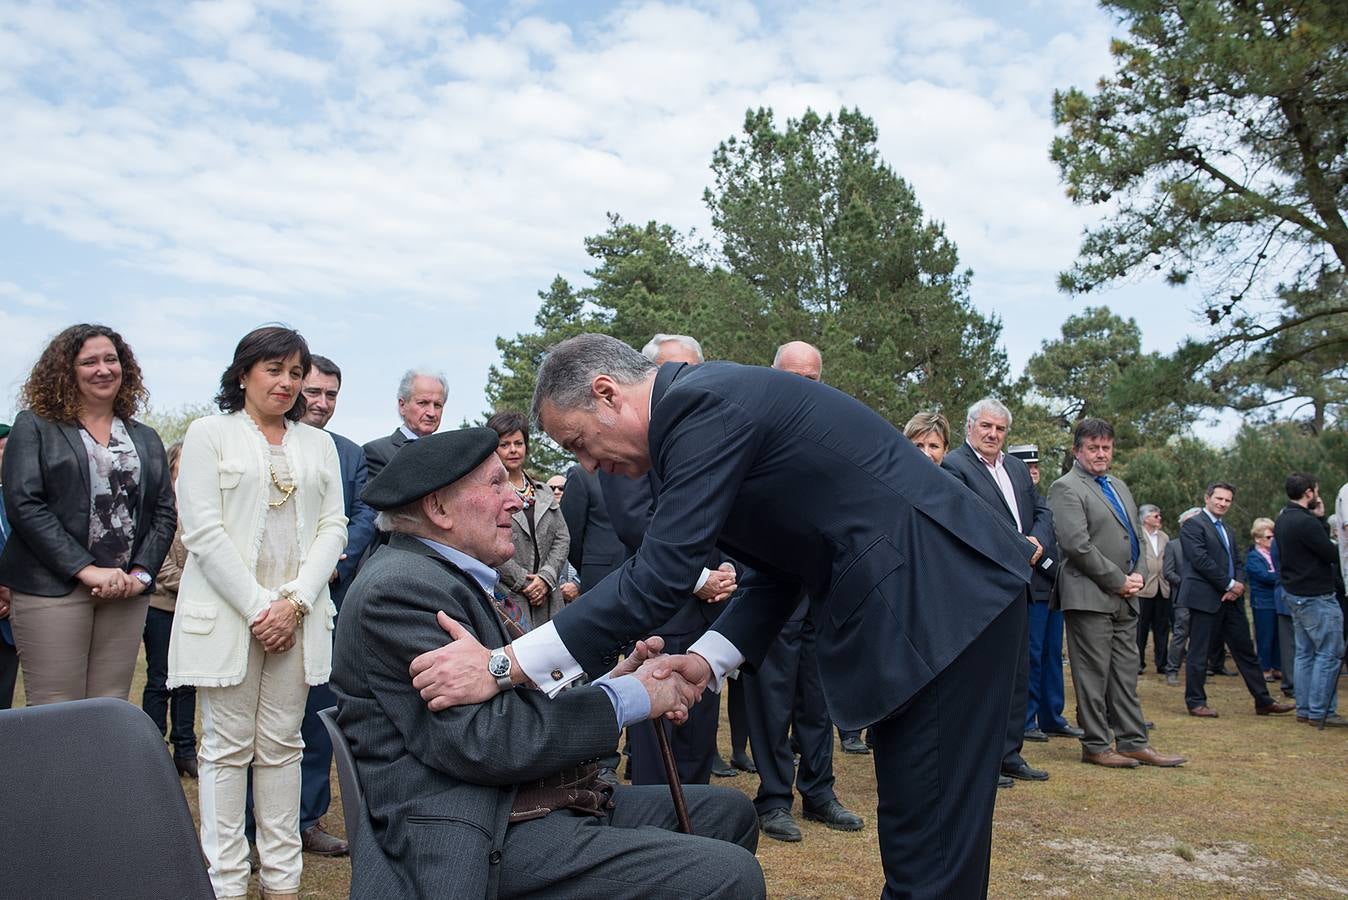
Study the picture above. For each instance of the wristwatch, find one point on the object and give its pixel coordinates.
(499, 668)
(143, 577)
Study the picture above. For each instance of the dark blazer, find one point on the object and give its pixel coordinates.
(439, 785)
(6, 633)
(360, 530)
(380, 450)
(811, 489)
(631, 506)
(595, 547)
(46, 485)
(1261, 578)
(1172, 568)
(1205, 574)
(1035, 517)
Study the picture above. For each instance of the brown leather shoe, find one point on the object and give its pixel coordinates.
(1204, 712)
(1302, 720)
(317, 841)
(1149, 757)
(1109, 759)
(1275, 709)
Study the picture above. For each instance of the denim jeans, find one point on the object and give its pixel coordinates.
(1318, 622)
(158, 700)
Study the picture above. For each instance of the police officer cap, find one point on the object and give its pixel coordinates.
(1027, 453)
(428, 464)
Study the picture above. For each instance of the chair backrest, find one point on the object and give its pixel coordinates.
(91, 806)
(353, 800)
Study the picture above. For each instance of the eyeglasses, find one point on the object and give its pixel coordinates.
(557, 488)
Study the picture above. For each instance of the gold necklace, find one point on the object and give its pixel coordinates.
(286, 489)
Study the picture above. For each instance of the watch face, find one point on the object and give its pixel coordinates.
(499, 665)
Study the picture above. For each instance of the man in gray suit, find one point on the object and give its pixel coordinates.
(1097, 527)
(499, 799)
(421, 402)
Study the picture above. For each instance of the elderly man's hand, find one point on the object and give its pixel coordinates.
(1038, 549)
(670, 693)
(455, 674)
(1131, 585)
(720, 584)
(650, 648)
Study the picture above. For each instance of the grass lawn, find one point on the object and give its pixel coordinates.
(1260, 810)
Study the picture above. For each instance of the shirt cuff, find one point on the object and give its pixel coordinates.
(542, 656)
(701, 580)
(720, 654)
(631, 703)
(1232, 585)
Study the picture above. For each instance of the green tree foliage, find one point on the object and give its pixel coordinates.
(819, 241)
(842, 255)
(1219, 147)
(171, 424)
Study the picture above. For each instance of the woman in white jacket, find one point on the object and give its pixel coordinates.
(260, 499)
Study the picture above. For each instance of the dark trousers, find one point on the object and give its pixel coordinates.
(1020, 692)
(1230, 627)
(1153, 617)
(635, 851)
(935, 770)
(693, 742)
(1266, 638)
(1046, 693)
(785, 693)
(316, 763)
(1287, 651)
(738, 716)
(159, 702)
(9, 672)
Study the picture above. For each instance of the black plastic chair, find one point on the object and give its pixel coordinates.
(353, 799)
(91, 806)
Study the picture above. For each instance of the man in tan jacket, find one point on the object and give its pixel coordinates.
(1153, 601)
(1099, 540)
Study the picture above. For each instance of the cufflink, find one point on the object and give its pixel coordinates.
(556, 674)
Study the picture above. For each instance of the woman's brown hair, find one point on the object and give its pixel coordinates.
(51, 390)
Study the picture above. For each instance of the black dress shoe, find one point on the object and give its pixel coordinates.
(1224, 672)
(186, 766)
(722, 769)
(778, 825)
(744, 764)
(1025, 772)
(1065, 731)
(1034, 734)
(834, 815)
(1005, 781)
(854, 744)
(610, 777)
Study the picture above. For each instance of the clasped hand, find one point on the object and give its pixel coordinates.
(275, 627)
(1132, 584)
(456, 673)
(720, 584)
(108, 583)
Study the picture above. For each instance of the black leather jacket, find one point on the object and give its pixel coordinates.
(46, 489)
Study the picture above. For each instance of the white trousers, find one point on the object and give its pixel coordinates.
(256, 722)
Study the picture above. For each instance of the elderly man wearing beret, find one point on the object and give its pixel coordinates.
(500, 798)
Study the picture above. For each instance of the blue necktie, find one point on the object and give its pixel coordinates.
(1226, 542)
(1113, 499)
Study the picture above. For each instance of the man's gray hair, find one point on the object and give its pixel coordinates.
(411, 375)
(1147, 509)
(652, 349)
(987, 405)
(407, 519)
(565, 375)
(1189, 514)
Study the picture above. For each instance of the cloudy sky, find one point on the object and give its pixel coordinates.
(397, 179)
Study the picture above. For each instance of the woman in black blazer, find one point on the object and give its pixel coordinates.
(91, 510)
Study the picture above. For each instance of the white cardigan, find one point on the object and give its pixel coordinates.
(223, 481)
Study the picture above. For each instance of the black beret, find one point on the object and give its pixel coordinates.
(427, 464)
(1028, 453)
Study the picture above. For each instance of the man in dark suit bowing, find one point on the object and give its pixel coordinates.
(421, 402)
(499, 798)
(914, 596)
(1213, 594)
(1004, 483)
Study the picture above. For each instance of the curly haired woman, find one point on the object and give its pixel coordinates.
(90, 502)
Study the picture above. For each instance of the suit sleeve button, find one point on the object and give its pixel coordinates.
(494, 857)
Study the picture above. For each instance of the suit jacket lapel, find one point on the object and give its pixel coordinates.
(1100, 492)
(146, 472)
(664, 377)
(973, 460)
(72, 435)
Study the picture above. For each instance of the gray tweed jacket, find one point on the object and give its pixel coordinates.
(439, 785)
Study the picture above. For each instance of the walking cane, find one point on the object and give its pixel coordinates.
(672, 776)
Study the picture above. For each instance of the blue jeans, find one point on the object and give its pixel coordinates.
(1266, 638)
(1318, 623)
(158, 700)
(1044, 704)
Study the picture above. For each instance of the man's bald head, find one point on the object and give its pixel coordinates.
(801, 359)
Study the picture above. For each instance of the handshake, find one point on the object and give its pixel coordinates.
(672, 682)
(456, 674)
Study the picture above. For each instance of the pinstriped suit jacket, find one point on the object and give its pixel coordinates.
(439, 785)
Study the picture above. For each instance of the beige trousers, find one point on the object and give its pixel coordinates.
(256, 722)
(76, 646)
